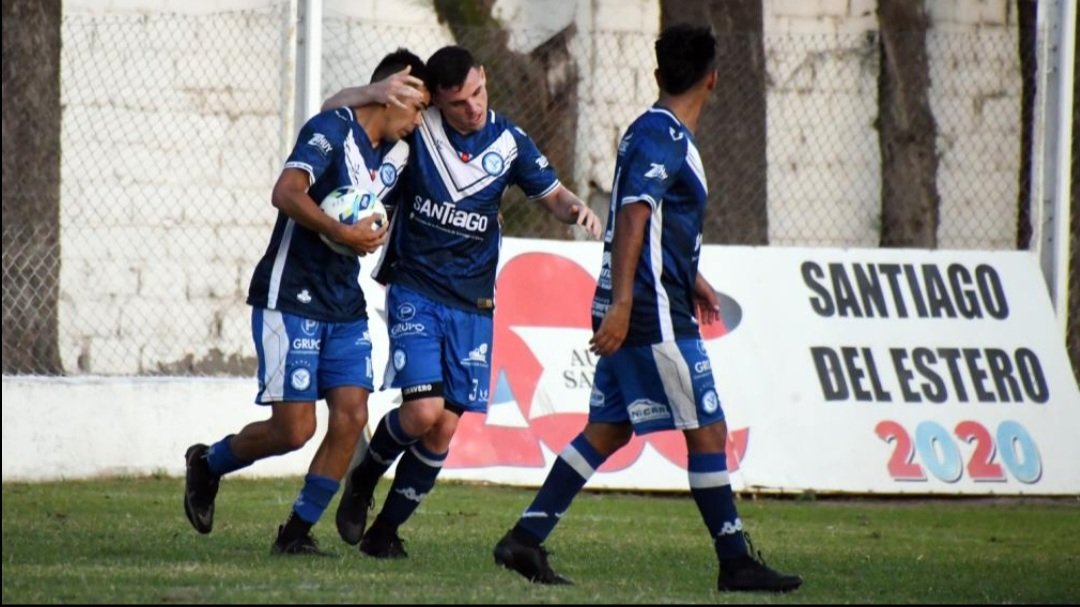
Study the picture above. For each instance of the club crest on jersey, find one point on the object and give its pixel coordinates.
(492, 163)
(387, 173)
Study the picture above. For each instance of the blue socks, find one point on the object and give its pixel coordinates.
(314, 497)
(711, 488)
(575, 465)
(415, 477)
(221, 458)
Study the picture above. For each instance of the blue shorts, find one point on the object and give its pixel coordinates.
(301, 359)
(431, 342)
(665, 386)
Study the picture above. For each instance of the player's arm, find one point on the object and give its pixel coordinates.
(569, 209)
(626, 245)
(290, 197)
(399, 88)
(705, 298)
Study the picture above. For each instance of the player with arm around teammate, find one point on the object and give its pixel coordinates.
(653, 372)
(309, 317)
(440, 265)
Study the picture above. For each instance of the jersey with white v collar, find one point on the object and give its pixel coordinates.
(658, 165)
(444, 241)
(298, 273)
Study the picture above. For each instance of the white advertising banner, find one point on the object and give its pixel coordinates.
(865, 371)
(891, 371)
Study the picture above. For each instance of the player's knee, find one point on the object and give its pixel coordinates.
(419, 418)
(352, 419)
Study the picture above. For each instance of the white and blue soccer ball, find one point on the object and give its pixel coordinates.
(348, 205)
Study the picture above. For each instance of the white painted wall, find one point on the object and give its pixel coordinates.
(163, 220)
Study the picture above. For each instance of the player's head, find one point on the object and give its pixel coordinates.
(401, 121)
(686, 58)
(458, 87)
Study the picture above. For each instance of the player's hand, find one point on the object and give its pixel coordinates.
(398, 89)
(587, 219)
(367, 235)
(612, 332)
(708, 306)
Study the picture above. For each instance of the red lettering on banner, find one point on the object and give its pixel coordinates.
(547, 290)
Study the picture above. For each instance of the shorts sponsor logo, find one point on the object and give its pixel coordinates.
(645, 410)
(701, 347)
(306, 344)
(710, 402)
(596, 398)
(301, 379)
(407, 328)
(702, 367)
(477, 356)
(399, 359)
(309, 327)
(406, 311)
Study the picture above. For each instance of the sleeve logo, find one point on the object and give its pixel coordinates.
(656, 171)
(319, 141)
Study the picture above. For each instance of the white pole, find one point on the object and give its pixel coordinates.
(312, 92)
(288, 82)
(1059, 280)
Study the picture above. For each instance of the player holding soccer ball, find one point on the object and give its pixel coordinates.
(440, 264)
(309, 317)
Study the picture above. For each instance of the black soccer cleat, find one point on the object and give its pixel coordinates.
(382, 543)
(352, 510)
(200, 489)
(530, 561)
(751, 574)
(305, 545)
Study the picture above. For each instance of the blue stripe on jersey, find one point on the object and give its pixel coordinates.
(445, 239)
(298, 273)
(659, 165)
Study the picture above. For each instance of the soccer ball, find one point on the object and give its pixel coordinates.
(350, 204)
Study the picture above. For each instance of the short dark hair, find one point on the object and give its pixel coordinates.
(397, 61)
(448, 67)
(684, 54)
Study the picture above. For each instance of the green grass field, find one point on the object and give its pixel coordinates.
(126, 540)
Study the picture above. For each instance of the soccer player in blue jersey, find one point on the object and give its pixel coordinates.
(653, 373)
(440, 264)
(309, 317)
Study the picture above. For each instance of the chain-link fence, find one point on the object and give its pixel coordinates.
(174, 128)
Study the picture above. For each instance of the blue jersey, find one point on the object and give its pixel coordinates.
(298, 273)
(658, 165)
(445, 234)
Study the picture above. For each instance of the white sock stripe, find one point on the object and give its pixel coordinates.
(434, 463)
(709, 480)
(534, 514)
(577, 461)
(397, 439)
